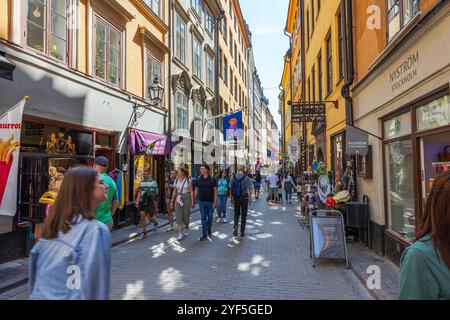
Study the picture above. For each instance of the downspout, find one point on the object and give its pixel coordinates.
(283, 121)
(216, 71)
(345, 92)
(169, 114)
(303, 66)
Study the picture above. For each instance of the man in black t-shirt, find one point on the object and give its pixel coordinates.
(206, 191)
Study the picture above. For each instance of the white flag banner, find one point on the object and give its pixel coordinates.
(10, 126)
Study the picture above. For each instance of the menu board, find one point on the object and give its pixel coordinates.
(328, 237)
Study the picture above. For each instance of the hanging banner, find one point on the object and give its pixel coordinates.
(357, 141)
(233, 127)
(10, 128)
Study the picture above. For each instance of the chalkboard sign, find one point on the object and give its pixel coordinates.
(328, 235)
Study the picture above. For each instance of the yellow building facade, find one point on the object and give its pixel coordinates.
(321, 74)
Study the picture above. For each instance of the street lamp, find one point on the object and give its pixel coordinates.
(156, 91)
(156, 95)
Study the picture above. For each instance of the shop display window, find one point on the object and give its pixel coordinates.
(399, 126)
(434, 114)
(400, 188)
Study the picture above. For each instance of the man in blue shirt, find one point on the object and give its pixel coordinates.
(241, 196)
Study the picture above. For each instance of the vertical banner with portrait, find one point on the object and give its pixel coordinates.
(10, 127)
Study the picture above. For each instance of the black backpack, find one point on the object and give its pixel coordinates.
(236, 190)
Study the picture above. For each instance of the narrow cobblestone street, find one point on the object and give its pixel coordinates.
(271, 263)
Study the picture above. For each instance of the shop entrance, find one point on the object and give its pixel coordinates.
(435, 158)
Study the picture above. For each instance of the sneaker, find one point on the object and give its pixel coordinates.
(156, 226)
(218, 220)
(234, 232)
(143, 236)
(242, 235)
(186, 233)
(170, 229)
(225, 220)
(203, 238)
(180, 237)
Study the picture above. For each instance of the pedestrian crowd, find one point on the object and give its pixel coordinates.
(72, 259)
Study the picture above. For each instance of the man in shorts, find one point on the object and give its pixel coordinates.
(145, 201)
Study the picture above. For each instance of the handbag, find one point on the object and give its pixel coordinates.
(179, 198)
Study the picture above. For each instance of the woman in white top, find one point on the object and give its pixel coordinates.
(183, 201)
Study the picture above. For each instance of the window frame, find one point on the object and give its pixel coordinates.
(196, 61)
(401, 13)
(160, 6)
(184, 108)
(182, 22)
(329, 57)
(341, 46)
(209, 71)
(149, 81)
(97, 17)
(209, 27)
(67, 61)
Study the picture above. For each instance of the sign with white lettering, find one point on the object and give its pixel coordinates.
(357, 141)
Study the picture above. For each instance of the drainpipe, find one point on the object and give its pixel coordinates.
(283, 121)
(345, 92)
(169, 100)
(217, 66)
(303, 66)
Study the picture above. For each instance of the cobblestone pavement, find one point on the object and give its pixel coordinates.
(271, 263)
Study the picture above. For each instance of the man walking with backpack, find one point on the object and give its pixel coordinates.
(241, 187)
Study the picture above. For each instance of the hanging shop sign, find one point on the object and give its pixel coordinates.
(357, 141)
(293, 149)
(140, 142)
(308, 112)
(10, 128)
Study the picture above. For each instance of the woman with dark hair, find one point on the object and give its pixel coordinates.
(222, 197)
(71, 261)
(183, 201)
(425, 266)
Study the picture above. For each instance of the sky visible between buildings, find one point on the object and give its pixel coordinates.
(267, 19)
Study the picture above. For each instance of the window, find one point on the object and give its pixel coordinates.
(231, 44)
(312, 16)
(180, 50)
(47, 27)
(313, 74)
(318, 7)
(182, 111)
(307, 28)
(209, 72)
(154, 69)
(209, 20)
(231, 80)
(235, 89)
(225, 29)
(320, 75)
(329, 64)
(400, 188)
(155, 5)
(235, 53)
(197, 5)
(309, 89)
(197, 56)
(341, 46)
(225, 70)
(221, 63)
(400, 12)
(107, 52)
(198, 115)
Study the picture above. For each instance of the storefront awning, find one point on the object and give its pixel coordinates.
(140, 142)
(6, 67)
